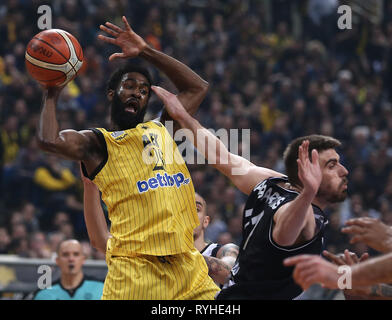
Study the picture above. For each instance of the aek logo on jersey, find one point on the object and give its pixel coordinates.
(162, 181)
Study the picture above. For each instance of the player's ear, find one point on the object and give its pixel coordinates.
(110, 94)
(206, 221)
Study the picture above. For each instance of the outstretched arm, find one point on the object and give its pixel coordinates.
(311, 269)
(192, 88)
(97, 228)
(243, 174)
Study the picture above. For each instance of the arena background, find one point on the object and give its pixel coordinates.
(281, 68)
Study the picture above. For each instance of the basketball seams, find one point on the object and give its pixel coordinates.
(55, 49)
(72, 51)
(63, 75)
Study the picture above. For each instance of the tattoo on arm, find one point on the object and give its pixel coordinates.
(229, 250)
(216, 266)
(381, 290)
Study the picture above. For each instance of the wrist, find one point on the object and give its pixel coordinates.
(308, 193)
(146, 51)
(52, 92)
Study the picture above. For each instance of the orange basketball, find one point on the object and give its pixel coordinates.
(53, 57)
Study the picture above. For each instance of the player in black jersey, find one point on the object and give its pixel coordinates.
(283, 215)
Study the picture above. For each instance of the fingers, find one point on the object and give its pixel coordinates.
(315, 156)
(362, 222)
(106, 39)
(303, 151)
(160, 91)
(117, 55)
(334, 258)
(114, 27)
(364, 257)
(353, 229)
(163, 94)
(305, 276)
(109, 31)
(127, 26)
(350, 257)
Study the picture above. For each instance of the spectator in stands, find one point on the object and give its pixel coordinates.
(5, 240)
(39, 247)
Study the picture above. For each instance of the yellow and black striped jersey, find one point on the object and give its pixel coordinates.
(148, 191)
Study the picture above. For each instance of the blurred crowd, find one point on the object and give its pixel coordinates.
(279, 68)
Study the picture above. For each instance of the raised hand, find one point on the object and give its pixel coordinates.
(130, 43)
(309, 172)
(371, 232)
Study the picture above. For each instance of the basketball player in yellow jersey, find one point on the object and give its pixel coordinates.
(151, 202)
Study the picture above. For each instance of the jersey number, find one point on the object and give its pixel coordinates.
(152, 149)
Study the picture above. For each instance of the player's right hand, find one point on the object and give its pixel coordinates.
(130, 43)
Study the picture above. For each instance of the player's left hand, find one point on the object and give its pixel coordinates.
(130, 42)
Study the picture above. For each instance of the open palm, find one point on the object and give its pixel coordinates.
(130, 43)
(309, 172)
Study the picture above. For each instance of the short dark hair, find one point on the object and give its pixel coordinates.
(290, 155)
(116, 76)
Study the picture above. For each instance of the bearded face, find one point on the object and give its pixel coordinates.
(129, 101)
(127, 115)
(333, 187)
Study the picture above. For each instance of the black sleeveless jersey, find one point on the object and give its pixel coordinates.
(211, 250)
(259, 272)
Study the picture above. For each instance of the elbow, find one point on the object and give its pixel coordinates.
(201, 89)
(44, 144)
(204, 88)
